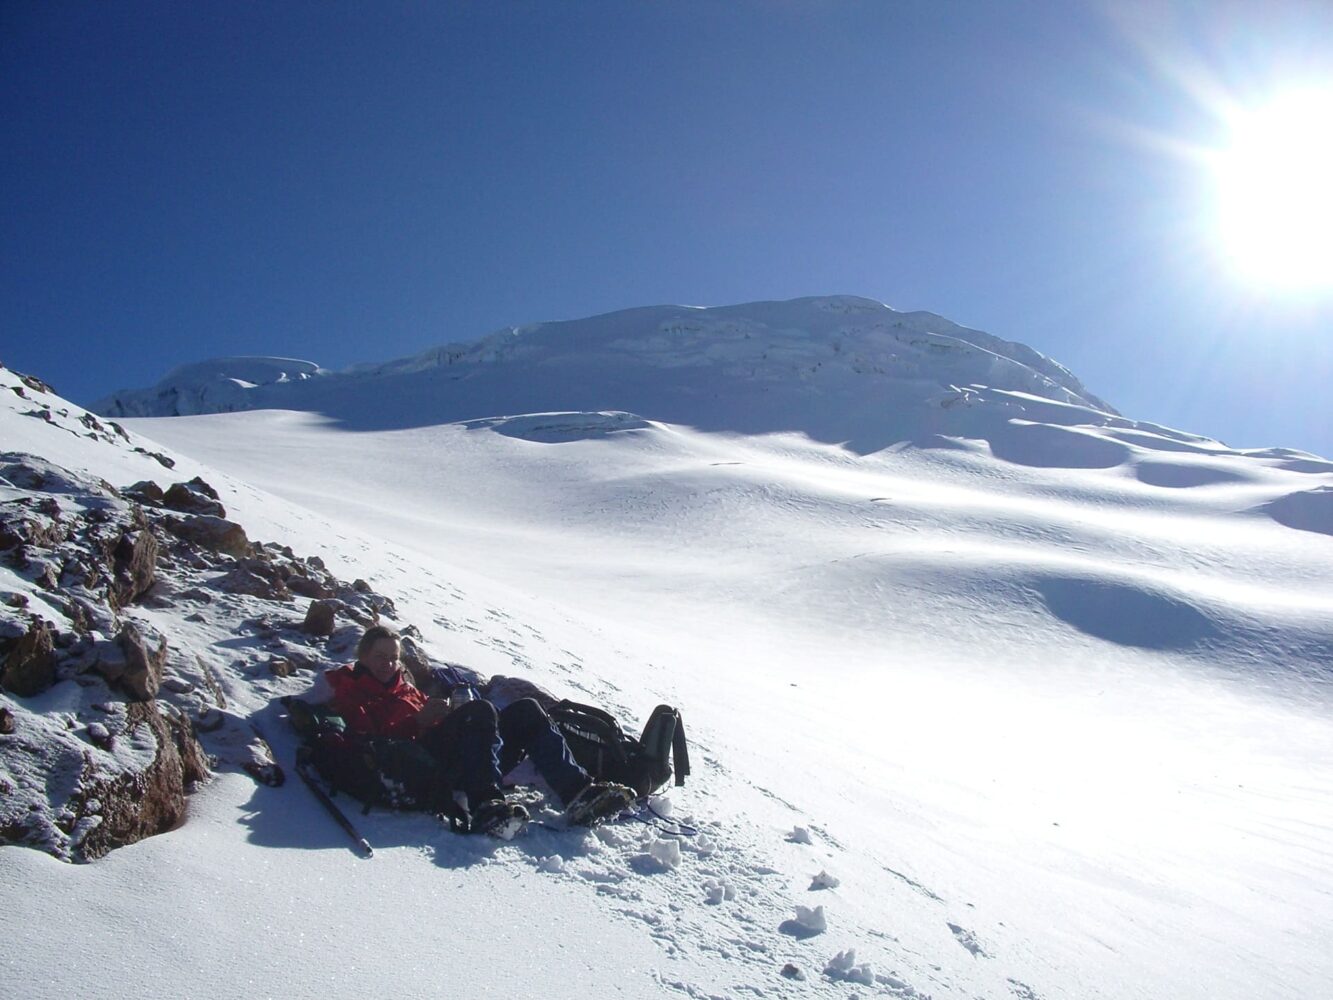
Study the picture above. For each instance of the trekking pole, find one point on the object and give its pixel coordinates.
(333, 810)
(339, 816)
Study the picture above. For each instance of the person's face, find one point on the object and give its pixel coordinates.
(381, 659)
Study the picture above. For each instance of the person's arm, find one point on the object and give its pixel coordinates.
(431, 713)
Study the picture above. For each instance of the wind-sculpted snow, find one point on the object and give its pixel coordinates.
(1307, 510)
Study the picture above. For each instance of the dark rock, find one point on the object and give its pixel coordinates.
(30, 667)
(146, 491)
(360, 586)
(198, 485)
(10, 536)
(169, 463)
(16, 600)
(194, 761)
(280, 667)
(6, 722)
(135, 560)
(138, 670)
(190, 499)
(34, 383)
(319, 619)
(241, 581)
(305, 586)
(213, 533)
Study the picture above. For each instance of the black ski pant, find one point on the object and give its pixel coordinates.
(475, 746)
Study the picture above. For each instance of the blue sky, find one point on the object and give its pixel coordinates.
(354, 182)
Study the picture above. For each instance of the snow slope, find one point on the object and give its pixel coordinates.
(1039, 711)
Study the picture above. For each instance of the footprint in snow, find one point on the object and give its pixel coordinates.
(843, 966)
(717, 890)
(1023, 991)
(968, 940)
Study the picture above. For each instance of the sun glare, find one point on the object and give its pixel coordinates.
(1275, 193)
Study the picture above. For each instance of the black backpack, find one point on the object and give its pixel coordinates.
(605, 752)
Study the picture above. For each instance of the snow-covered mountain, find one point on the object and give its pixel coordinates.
(993, 691)
(836, 368)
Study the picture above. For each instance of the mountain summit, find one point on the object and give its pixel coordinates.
(839, 368)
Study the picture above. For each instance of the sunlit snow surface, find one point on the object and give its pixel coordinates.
(1052, 713)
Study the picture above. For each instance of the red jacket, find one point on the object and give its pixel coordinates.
(374, 709)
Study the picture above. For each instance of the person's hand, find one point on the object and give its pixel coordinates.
(432, 712)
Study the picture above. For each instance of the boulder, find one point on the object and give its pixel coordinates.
(135, 560)
(213, 533)
(137, 669)
(319, 618)
(305, 586)
(146, 491)
(242, 581)
(30, 667)
(194, 497)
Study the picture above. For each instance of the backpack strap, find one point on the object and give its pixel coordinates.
(680, 752)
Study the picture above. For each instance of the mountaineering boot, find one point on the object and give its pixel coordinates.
(499, 818)
(600, 801)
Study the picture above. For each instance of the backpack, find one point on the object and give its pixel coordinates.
(604, 751)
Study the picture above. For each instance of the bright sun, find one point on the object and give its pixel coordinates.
(1275, 193)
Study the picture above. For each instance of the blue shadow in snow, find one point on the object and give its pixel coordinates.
(1125, 614)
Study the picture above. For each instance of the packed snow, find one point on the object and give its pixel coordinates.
(1026, 699)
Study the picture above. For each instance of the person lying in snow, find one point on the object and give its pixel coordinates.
(424, 748)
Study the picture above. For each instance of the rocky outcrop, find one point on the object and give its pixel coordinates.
(112, 758)
(131, 806)
(135, 567)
